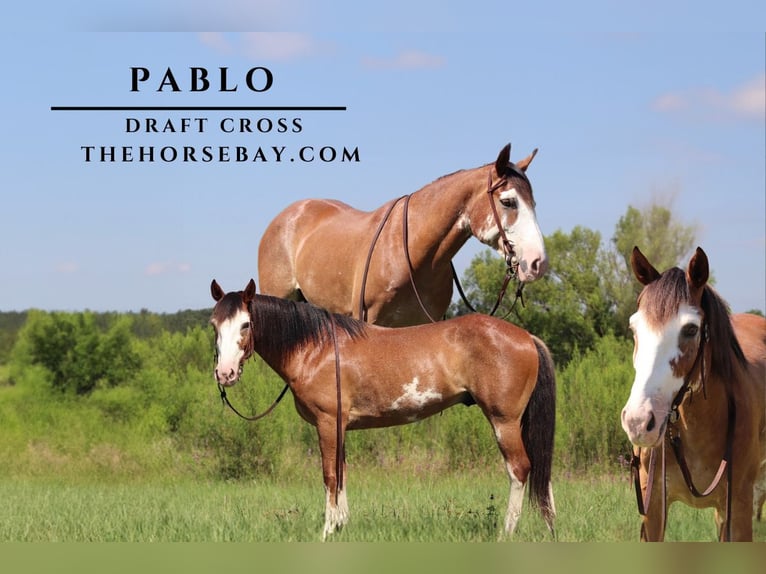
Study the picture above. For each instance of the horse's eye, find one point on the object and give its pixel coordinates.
(689, 331)
(509, 202)
(245, 326)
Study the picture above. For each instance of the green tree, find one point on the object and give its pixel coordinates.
(589, 290)
(569, 308)
(79, 355)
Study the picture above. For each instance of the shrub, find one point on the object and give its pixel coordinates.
(78, 354)
(592, 390)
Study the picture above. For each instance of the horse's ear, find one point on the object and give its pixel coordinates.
(698, 271)
(216, 291)
(503, 159)
(524, 163)
(249, 293)
(642, 269)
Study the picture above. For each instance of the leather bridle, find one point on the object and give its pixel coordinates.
(673, 437)
(249, 349)
(511, 261)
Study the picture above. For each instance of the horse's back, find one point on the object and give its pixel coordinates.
(308, 229)
(751, 334)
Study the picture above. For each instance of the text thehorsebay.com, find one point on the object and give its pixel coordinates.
(190, 126)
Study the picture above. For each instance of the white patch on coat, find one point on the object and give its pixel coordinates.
(413, 398)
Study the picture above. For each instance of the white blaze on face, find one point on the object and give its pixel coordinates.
(654, 387)
(414, 398)
(524, 234)
(229, 347)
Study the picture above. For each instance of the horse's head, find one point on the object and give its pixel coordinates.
(232, 322)
(668, 328)
(509, 214)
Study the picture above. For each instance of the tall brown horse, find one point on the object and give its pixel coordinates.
(345, 374)
(698, 402)
(332, 255)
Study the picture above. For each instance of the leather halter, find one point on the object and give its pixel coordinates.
(673, 436)
(507, 245)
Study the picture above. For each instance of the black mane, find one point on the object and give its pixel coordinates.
(282, 325)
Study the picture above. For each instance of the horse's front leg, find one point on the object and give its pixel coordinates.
(653, 523)
(336, 503)
(741, 517)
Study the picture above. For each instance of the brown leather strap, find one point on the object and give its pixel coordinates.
(339, 447)
(508, 252)
(410, 270)
(674, 437)
(362, 309)
(225, 399)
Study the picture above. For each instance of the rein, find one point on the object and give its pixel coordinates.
(510, 256)
(673, 436)
(248, 352)
(225, 400)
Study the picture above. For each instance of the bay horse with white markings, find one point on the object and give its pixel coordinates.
(345, 374)
(393, 265)
(698, 402)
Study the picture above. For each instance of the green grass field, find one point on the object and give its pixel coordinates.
(385, 507)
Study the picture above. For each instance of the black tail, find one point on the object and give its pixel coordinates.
(538, 425)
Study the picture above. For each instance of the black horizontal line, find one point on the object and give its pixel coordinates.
(198, 108)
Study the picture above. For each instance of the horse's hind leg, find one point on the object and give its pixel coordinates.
(517, 464)
(276, 263)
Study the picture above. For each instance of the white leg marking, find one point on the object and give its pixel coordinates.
(515, 501)
(550, 497)
(335, 517)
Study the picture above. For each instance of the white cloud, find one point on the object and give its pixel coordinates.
(217, 41)
(280, 46)
(746, 101)
(165, 268)
(270, 46)
(750, 99)
(67, 267)
(405, 60)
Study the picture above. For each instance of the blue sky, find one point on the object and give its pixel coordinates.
(624, 112)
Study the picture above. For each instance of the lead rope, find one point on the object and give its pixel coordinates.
(339, 447)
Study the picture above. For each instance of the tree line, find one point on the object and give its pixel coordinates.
(143, 381)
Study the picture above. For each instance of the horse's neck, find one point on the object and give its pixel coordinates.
(705, 409)
(437, 213)
(271, 340)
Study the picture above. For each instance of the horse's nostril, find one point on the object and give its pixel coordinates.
(651, 424)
